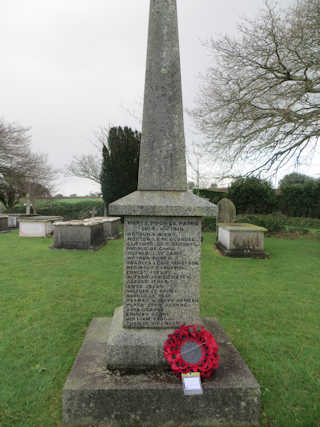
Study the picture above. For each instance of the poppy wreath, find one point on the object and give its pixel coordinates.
(208, 361)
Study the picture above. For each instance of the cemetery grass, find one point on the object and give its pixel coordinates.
(269, 308)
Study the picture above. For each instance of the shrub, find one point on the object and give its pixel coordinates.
(303, 222)
(300, 196)
(209, 223)
(273, 222)
(253, 195)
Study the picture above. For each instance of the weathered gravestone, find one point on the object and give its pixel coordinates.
(226, 213)
(119, 376)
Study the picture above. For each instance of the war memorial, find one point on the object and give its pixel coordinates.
(120, 376)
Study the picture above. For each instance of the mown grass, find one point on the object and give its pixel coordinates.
(269, 308)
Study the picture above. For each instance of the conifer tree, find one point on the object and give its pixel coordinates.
(120, 164)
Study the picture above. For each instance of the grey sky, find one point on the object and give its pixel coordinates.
(71, 66)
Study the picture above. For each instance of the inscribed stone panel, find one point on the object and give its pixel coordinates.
(161, 271)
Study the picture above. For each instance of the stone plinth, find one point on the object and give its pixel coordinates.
(87, 234)
(37, 226)
(162, 248)
(241, 240)
(163, 203)
(111, 226)
(3, 223)
(142, 347)
(92, 395)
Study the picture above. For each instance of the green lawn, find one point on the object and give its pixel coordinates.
(269, 308)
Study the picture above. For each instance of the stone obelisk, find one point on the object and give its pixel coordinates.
(162, 226)
(110, 383)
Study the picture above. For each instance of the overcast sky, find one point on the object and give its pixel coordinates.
(69, 67)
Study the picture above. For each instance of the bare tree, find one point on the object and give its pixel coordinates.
(14, 146)
(39, 177)
(261, 99)
(87, 166)
(199, 165)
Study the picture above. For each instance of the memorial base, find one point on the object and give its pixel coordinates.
(241, 252)
(94, 396)
(134, 349)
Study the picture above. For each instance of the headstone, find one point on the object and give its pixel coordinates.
(226, 211)
(162, 248)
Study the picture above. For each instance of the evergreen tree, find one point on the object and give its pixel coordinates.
(120, 164)
(253, 195)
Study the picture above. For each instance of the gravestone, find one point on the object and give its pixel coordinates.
(226, 213)
(120, 375)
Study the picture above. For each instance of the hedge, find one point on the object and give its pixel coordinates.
(69, 211)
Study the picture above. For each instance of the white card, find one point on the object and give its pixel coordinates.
(192, 384)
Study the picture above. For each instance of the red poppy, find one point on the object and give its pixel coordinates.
(192, 349)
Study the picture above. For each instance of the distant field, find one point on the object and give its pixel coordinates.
(69, 200)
